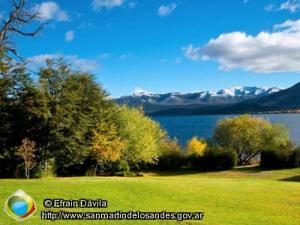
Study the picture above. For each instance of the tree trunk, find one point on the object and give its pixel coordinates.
(95, 171)
(46, 166)
(27, 173)
(240, 159)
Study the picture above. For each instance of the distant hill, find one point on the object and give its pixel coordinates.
(284, 100)
(190, 103)
(287, 100)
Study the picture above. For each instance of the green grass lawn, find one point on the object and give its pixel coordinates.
(243, 196)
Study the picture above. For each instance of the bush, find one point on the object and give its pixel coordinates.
(196, 147)
(278, 158)
(171, 156)
(217, 158)
(295, 158)
(195, 151)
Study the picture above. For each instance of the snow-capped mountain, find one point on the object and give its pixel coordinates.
(141, 92)
(247, 91)
(155, 102)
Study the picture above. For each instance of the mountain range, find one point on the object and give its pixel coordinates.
(227, 101)
(287, 100)
(155, 103)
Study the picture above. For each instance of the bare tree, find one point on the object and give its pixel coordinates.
(27, 152)
(18, 18)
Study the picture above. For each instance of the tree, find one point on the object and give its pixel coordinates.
(196, 147)
(277, 136)
(75, 104)
(6, 66)
(248, 136)
(51, 79)
(143, 137)
(18, 18)
(279, 151)
(20, 116)
(107, 146)
(27, 151)
(18, 96)
(295, 157)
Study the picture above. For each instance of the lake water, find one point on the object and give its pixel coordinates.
(185, 127)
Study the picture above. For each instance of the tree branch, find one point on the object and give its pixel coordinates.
(18, 17)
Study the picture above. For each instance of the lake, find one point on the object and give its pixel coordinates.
(185, 127)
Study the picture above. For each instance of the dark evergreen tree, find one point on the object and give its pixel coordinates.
(75, 104)
(20, 116)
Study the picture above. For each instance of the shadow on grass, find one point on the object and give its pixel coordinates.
(253, 170)
(178, 172)
(292, 179)
(187, 171)
(248, 169)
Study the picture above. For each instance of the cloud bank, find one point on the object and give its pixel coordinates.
(290, 5)
(50, 11)
(266, 52)
(82, 64)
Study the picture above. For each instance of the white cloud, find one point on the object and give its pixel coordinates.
(266, 52)
(70, 35)
(50, 10)
(166, 10)
(290, 5)
(270, 7)
(77, 63)
(106, 4)
(289, 26)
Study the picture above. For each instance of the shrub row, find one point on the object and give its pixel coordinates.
(283, 157)
(200, 155)
(213, 157)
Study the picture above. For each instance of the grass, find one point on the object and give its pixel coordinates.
(243, 196)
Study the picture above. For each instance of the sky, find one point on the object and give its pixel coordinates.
(168, 45)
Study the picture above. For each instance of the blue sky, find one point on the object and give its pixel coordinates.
(166, 45)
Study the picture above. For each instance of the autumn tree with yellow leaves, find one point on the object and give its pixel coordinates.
(107, 146)
(196, 147)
